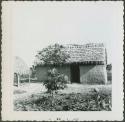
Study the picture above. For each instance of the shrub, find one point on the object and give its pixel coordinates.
(55, 81)
(109, 76)
(67, 102)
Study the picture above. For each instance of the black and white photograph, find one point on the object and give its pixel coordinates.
(61, 57)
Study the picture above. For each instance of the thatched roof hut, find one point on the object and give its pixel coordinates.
(86, 64)
(20, 67)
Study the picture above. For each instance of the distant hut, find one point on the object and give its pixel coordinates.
(21, 70)
(86, 64)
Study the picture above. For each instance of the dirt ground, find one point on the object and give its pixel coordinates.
(25, 90)
(28, 89)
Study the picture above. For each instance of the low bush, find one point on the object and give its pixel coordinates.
(66, 102)
(55, 81)
(109, 76)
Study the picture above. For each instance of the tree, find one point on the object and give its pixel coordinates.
(53, 54)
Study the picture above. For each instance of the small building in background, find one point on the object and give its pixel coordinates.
(21, 71)
(86, 64)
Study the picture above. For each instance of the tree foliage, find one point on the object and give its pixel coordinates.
(53, 54)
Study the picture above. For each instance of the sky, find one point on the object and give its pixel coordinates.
(35, 25)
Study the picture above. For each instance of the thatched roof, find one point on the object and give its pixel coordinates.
(91, 53)
(20, 66)
(85, 53)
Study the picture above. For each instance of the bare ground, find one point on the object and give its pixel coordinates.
(28, 89)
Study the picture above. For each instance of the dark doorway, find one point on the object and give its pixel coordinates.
(75, 73)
